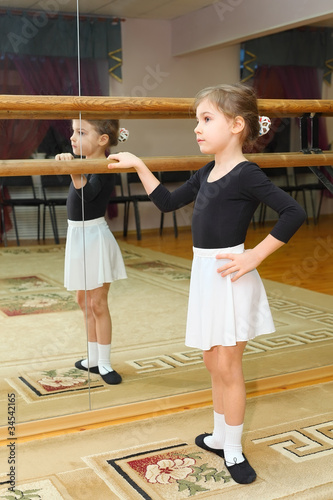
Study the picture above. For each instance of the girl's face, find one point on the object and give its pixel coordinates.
(213, 129)
(86, 141)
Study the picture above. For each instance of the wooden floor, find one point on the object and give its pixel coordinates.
(306, 261)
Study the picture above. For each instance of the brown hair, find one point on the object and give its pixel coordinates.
(108, 127)
(235, 100)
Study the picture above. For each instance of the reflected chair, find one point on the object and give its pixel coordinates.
(288, 185)
(311, 187)
(18, 191)
(172, 178)
(136, 198)
(119, 197)
(55, 192)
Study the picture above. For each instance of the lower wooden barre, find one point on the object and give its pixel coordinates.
(157, 164)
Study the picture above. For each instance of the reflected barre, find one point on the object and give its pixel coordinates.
(97, 107)
(157, 163)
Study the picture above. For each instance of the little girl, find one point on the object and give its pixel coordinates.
(92, 258)
(227, 302)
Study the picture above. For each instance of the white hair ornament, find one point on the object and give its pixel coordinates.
(123, 135)
(265, 125)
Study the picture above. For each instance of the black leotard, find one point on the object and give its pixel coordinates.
(96, 194)
(224, 208)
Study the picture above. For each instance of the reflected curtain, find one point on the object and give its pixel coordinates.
(306, 46)
(27, 75)
(48, 33)
(288, 82)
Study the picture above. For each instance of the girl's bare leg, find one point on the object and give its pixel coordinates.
(229, 399)
(228, 387)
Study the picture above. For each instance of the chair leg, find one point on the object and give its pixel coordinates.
(320, 202)
(161, 223)
(38, 223)
(15, 226)
(54, 223)
(305, 206)
(4, 232)
(175, 227)
(44, 216)
(126, 215)
(313, 208)
(137, 220)
(262, 213)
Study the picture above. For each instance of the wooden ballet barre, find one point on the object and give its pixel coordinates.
(157, 164)
(69, 107)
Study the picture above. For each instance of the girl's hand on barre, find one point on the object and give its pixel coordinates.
(64, 156)
(125, 160)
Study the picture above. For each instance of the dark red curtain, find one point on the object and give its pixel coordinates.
(28, 75)
(288, 82)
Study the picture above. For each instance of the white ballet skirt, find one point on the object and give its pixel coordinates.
(92, 255)
(221, 312)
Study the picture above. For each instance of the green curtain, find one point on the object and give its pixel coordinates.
(298, 47)
(44, 34)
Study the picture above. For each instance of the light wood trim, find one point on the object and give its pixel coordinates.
(161, 406)
(156, 164)
(96, 107)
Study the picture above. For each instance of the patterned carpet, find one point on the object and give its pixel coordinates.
(288, 434)
(288, 439)
(42, 335)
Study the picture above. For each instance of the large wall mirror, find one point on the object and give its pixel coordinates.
(42, 327)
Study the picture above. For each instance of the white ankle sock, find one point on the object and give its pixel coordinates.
(104, 363)
(233, 444)
(216, 440)
(92, 359)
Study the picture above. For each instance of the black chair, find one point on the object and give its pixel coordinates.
(172, 177)
(119, 197)
(288, 185)
(55, 191)
(136, 198)
(311, 187)
(18, 191)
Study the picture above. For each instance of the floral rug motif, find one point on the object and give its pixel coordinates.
(35, 385)
(14, 304)
(26, 284)
(167, 470)
(44, 489)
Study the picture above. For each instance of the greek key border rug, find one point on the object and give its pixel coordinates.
(288, 439)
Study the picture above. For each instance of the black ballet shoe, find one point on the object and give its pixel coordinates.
(241, 473)
(112, 378)
(92, 369)
(199, 441)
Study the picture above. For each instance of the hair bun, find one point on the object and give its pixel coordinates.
(123, 135)
(265, 125)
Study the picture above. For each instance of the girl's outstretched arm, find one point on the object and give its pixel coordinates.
(78, 179)
(128, 160)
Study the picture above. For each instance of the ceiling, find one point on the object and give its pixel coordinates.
(146, 9)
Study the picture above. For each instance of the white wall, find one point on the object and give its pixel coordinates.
(149, 69)
(233, 21)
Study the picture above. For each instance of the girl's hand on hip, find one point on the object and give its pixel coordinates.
(238, 263)
(64, 156)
